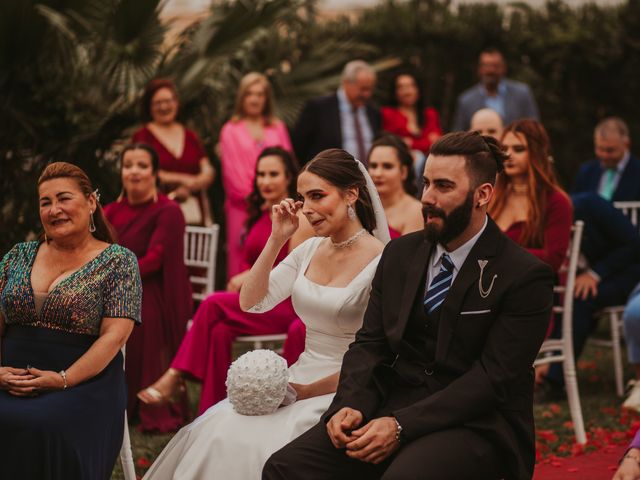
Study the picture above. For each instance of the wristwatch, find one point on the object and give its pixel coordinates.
(398, 430)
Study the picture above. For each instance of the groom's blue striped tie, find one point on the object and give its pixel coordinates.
(439, 286)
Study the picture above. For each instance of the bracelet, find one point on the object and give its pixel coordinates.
(63, 374)
(398, 430)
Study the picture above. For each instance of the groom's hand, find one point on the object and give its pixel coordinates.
(339, 427)
(375, 441)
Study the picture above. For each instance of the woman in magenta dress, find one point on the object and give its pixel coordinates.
(407, 117)
(205, 352)
(185, 170)
(528, 205)
(252, 128)
(152, 226)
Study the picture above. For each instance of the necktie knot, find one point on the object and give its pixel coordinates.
(446, 263)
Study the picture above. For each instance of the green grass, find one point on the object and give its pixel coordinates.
(605, 422)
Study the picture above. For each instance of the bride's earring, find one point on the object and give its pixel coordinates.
(351, 213)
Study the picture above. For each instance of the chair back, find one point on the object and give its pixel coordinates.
(200, 251)
(631, 210)
(555, 349)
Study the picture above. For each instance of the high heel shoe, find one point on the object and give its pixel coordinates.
(153, 396)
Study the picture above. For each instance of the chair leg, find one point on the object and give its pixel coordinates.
(573, 396)
(617, 352)
(126, 455)
(257, 345)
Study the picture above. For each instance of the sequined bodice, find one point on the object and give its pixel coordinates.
(107, 286)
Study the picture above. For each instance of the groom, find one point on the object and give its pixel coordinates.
(439, 381)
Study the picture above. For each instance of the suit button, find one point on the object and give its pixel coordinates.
(428, 371)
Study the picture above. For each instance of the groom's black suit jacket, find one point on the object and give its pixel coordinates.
(480, 373)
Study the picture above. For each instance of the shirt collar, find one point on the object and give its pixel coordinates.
(459, 255)
(621, 164)
(343, 101)
(501, 90)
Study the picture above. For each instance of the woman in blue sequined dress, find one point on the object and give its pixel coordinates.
(67, 306)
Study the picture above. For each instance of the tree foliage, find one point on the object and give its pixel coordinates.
(71, 71)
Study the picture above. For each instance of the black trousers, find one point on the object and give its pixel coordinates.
(454, 454)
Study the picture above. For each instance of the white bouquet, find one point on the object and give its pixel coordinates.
(257, 382)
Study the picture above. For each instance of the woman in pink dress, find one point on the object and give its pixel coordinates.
(152, 226)
(252, 128)
(185, 170)
(205, 352)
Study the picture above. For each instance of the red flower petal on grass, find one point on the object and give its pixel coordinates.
(572, 470)
(547, 414)
(568, 424)
(143, 462)
(584, 365)
(577, 449)
(547, 435)
(555, 408)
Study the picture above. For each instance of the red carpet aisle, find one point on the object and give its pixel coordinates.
(597, 465)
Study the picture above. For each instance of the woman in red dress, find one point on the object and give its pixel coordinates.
(407, 117)
(529, 205)
(185, 170)
(152, 226)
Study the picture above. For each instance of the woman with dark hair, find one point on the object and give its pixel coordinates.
(252, 127)
(408, 117)
(529, 205)
(205, 352)
(68, 303)
(152, 227)
(390, 167)
(328, 278)
(185, 170)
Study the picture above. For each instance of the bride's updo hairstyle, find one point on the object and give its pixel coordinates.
(341, 170)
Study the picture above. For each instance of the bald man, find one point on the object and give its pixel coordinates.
(487, 122)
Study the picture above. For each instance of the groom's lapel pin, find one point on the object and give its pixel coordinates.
(484, 293)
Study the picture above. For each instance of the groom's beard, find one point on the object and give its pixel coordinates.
(453, 224)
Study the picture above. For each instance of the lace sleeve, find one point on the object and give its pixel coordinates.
(283, 276)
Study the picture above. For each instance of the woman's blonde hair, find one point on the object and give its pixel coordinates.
(247, 81)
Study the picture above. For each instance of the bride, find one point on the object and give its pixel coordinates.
(328, 278)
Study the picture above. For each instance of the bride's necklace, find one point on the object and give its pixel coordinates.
(349, 241)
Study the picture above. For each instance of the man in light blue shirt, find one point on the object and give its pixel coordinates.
(512, 100)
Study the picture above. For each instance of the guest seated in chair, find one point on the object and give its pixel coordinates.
(529, 206)
(68, 303)
(609, 268)
(205, 352)
(152, 227)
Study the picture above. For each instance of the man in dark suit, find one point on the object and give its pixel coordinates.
(439, 381)
(615, 172)
(345, 119)
(609, 269)
(512, 100)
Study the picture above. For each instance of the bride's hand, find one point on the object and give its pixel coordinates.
(284, 219)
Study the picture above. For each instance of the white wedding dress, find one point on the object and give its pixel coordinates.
(222, 444)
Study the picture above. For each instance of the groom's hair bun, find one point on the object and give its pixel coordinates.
(483, 154)
(341, 170)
